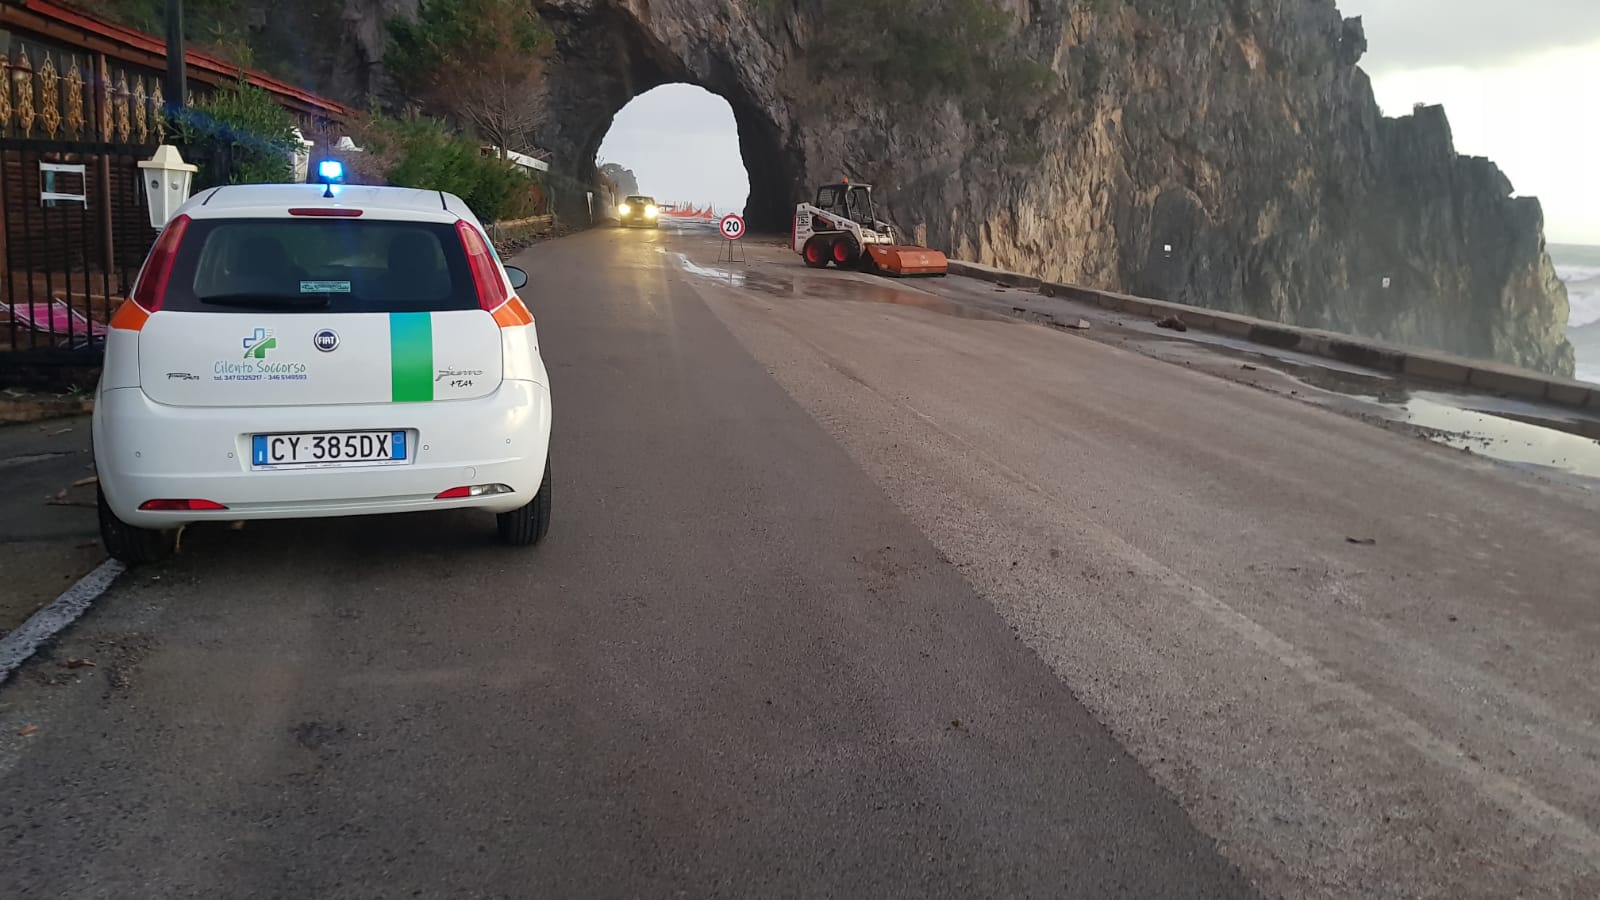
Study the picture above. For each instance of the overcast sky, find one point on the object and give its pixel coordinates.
(1517, 77)
(682, 145)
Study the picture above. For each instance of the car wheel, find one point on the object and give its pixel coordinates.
(817, 253)
(527, 525)
(846, 252)
(131, 544)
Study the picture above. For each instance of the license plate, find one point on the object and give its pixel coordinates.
(344, 448)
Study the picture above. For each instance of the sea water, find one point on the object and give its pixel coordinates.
(1579, 267)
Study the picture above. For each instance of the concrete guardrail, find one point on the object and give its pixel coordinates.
(1424, 365)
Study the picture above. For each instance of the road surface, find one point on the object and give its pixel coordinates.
(850, 592)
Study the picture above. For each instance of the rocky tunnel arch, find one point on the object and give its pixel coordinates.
(607, 54)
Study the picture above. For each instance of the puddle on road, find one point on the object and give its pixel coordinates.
(821, 286)
(1515, 432)
(1502, 435)
(1512, 431)
(726, 276)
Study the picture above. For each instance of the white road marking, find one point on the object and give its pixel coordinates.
(19, 645)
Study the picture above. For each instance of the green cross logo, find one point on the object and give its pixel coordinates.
(257, 345)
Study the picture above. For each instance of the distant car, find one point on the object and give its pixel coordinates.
(284, 355)
(639, 210)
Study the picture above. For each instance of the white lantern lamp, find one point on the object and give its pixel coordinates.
(167, 182)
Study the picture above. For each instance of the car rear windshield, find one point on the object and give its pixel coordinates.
(320, 265)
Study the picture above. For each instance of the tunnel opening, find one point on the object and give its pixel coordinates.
(606, 57)
(679, 144)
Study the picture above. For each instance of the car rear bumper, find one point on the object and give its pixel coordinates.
(146, 450)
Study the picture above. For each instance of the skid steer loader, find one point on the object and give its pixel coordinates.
(843, 228)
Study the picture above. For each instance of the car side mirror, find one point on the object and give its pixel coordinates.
(519, 278)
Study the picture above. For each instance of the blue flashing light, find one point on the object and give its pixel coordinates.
(331, 170)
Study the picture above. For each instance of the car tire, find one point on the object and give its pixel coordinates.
(817, 253)
(846, 252)
(130, 544)
(527, 525)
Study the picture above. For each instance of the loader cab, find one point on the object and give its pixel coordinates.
(850, 201)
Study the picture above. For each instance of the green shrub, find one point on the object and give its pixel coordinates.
(943, 46)
(239, 135)
(450, 35)
(961, 49)
(477, 63)
(423, 153)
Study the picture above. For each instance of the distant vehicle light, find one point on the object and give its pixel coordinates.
(331, 170)
(650, 212)
(624, 209)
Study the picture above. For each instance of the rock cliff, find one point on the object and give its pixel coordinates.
(1223, 153)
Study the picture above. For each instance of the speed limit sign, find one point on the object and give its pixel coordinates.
(732, 227)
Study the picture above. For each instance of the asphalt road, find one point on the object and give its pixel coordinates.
(856, 589)
(1364, 660)
(738, 668)
(47, 525)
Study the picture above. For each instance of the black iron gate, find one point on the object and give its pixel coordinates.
(75, 230)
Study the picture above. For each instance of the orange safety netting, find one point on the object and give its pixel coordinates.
(689, 211)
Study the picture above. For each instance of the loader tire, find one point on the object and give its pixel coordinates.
(846, 252)
(817, 252)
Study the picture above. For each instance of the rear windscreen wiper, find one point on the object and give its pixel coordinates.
(268, 301)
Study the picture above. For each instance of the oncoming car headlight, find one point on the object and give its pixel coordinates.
(624, 209)
(650, 212)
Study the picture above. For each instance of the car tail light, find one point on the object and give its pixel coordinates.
(151, 288)
(476, 490)
(181, 505)
(485, 271)
(332, 212)
(508, 309)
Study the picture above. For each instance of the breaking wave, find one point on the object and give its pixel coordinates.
(1579, 267)
(1583, 292)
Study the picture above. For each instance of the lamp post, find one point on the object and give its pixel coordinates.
(177, 77)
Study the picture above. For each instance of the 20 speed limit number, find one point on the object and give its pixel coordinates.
(732, 227)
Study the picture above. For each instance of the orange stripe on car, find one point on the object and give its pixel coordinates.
(130, 316)
(512, 313)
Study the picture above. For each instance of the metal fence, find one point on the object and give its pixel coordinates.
(75, 230)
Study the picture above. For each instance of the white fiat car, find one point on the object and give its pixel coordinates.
(285, 354)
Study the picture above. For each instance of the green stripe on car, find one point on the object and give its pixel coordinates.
(411, 356)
